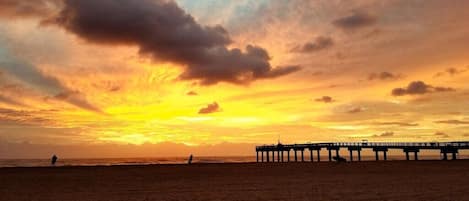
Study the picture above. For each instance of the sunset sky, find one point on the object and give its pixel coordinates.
(207, 73)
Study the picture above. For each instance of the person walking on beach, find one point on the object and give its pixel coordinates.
(54, 159)
(190, 160)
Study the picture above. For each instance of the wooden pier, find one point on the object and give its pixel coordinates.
(267, 153)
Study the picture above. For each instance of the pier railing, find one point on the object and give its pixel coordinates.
(397, 145)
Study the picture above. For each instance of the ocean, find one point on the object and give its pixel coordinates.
(178, 160)
(122, 161)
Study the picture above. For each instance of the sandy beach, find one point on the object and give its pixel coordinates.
(394, 180)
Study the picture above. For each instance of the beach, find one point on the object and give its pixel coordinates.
(385, 180)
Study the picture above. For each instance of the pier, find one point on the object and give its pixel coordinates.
(275, 153)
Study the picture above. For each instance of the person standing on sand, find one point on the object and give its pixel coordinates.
(54, 159)
(190, 160)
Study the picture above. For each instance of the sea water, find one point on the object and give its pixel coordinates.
(123, 161)
(183, 160)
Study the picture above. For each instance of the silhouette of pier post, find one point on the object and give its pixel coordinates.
(311, 155)
(336, 148)
(296, 157)
(302, 155)
(355, 148)
(407, 150)
(449, 150)
(301, 152)
(319, 155)
(288, 155)
(282, 155)
(380, 149)
(278, 156)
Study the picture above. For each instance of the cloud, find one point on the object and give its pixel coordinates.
(28, 73)
(452, 121)
(385, 134)
(325, 99)
(192, 93)
(355, 110)
(23, 117)
(320, 43)
(418, 88)
(211, 108)
(441, 134)
(78, 99)
(10, 101)
(317, 73)
(355, 21)
(395, 123)
(28, 8)
(383, 76)
(451, 72)
(163, 31)
(31, 76)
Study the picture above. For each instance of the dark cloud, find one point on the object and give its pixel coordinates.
(355, 110)
(451, 71)
(325, 99)
(383, 76)
(396, 123)
(211, 108)
(192, 93)
(320, 43)
(28, 8)
(162, 30)
(355, 21)
(452, 121)
(385, 134)
(418, 88)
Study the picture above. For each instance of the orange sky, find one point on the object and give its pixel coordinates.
(335, 71)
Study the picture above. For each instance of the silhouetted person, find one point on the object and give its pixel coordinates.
(54, 159)
(190, 160)
(339, 159)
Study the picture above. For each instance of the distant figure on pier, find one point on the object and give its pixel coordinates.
(190, 160)
(54, 159)
(339, 159)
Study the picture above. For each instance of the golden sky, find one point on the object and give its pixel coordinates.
(227, 73)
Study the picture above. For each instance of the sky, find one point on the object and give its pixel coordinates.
(140, 77)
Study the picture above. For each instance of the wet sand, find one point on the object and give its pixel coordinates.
(392, 180)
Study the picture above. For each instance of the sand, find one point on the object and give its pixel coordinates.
(391, 180)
